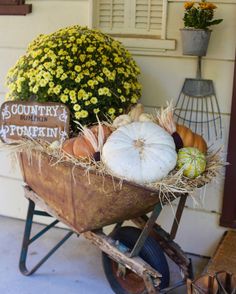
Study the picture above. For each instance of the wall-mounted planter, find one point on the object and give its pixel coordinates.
(14, 7)
(195, 41)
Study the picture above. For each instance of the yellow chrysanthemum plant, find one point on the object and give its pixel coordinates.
(90, 72)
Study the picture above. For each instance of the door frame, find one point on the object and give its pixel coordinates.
(228, 217)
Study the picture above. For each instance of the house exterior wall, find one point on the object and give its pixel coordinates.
(162, 76)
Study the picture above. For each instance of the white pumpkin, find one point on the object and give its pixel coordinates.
(141, 152)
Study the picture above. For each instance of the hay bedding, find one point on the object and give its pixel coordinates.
(170, 186)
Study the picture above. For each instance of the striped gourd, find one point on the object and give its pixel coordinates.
(192, 161)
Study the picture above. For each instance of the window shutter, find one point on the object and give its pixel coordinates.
(148, 16)
(111, 15)
(132, 21)
(134, 17)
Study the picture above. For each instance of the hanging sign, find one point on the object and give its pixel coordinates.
(48, 121)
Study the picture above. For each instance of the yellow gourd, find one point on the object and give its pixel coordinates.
(191, 139)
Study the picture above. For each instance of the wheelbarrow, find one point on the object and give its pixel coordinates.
(134, 258)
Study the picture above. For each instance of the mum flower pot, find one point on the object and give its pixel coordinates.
(195, 41)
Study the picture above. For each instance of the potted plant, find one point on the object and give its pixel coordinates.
(90, 72)
(198, 17)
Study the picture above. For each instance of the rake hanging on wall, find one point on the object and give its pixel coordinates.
(197, 106)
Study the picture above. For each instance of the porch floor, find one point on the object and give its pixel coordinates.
(75, 268)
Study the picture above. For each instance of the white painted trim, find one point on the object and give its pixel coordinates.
(147, 46)
(91, 14)
(164, 19)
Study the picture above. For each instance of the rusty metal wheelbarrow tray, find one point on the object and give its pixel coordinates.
(88, 203)
(84, 202)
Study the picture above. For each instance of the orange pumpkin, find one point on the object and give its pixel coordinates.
(78, 147)
(68, 146)
(82, 148)
(191, 139)
(107, 131)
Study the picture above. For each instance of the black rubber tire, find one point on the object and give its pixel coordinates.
(151, 252)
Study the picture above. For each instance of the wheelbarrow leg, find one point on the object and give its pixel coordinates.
(146, 230)
(27, 241)
(178, 216)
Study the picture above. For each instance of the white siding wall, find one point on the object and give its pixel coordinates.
(162, 78)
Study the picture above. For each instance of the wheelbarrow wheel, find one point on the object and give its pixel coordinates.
(151, 252)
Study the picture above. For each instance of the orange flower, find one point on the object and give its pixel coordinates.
(207, 5)
(188, 5)
(203, 5)
(200, 16)
(211, 6)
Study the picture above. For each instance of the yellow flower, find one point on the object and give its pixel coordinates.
(47, 76)
(73, 100)
(64, 98)
(134, 99)
(74, 49)
(91, 83)
(120, 70)
(57, 89)
(81, 94)
(127, 85)
(63, 77)
(117, 59)
(90, 49)
(86, 96)
(104, 91)
(35, 63)
(86, 72)
(78, 68)
(35, 89)
(82, 57)
(96, 110)
(100, 79)
(72, 94)
(12, 87)
(111, 110)
(94, 100)
(77, 115)
(76, 107)
(84, 113)
(78, 79)
(122, 98)
(43, 83)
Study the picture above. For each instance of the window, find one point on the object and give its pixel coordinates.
(14, 7)
(132, 21)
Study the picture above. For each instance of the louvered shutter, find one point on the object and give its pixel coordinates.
(132, 17)
(111, 15)
(148, 16)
